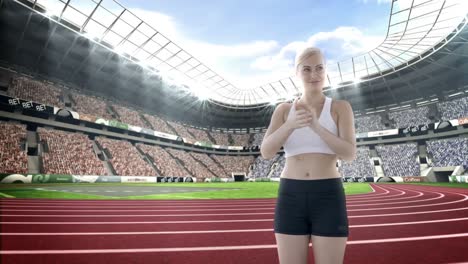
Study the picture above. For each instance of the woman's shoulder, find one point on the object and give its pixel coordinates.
(341, 103)
(338, 103)
(284, 107)
(340, 106)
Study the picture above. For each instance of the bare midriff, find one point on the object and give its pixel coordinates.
(311, 166)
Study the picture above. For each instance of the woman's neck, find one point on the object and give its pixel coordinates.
(312, 99)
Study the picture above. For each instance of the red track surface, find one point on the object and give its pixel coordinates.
(397, 223)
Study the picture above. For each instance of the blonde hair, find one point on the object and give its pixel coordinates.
(303, 54)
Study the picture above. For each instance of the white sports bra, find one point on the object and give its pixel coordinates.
(305, 140)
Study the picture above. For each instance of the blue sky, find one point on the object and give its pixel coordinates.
(250, 43)
(231, 21)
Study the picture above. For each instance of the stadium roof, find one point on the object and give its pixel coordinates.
(414, 28)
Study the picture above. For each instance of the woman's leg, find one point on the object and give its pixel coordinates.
(292, 249)
(328, 250)
(291, 225)
(330, 228)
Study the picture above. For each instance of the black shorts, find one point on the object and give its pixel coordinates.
(311, 207)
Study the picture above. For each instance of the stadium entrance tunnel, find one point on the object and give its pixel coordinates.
(386, 179)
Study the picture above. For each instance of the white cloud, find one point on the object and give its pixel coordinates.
(212, 54)
(282, 59)
(169, 27)
(339, 44)
(215, 56)
(345, 41)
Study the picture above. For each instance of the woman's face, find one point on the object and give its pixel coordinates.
(311, 71)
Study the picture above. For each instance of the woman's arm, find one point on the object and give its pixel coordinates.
(345, 144)
(277, 133)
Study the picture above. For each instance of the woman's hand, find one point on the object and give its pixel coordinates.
(300, 118)
(314, 123)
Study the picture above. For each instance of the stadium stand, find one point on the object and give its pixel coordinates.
(158, 124)
(41, 92)
(369, 123)
(129, 116)
(457, 108)
(234, 163)
(125, 158)
(181, 130)
(200, 135)
(448, 152)
(221, 138)
(68, 153)
(241, 140)
(281, 161)
(32, 90)
(210, 163)
(258, 137)
(163, 161)
(399, 160)
(195, 168)
(411, 117)
(90, 105)
(262, 167)
(13, 159)
(360, 167)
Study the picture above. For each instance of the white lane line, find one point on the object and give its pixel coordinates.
(145, 215)
(140, 206)
(369, 209)
(182, 249)
(383, 208)
(404, 239)
(139, 233)
(441, 189)
(411, 223)
(404, 202)
(380, 197)
(384, 198)
(185, 215)
(352, 210)
(139, 222)
(210, 201)
(207, 206)
(411, 206)
(406, 197)
(137, 210)
(218, 231)
(367, 195)
(360, 216)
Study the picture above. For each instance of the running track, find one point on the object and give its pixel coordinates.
(396, 223)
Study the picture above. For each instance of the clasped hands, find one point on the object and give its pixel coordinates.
(303, 117)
